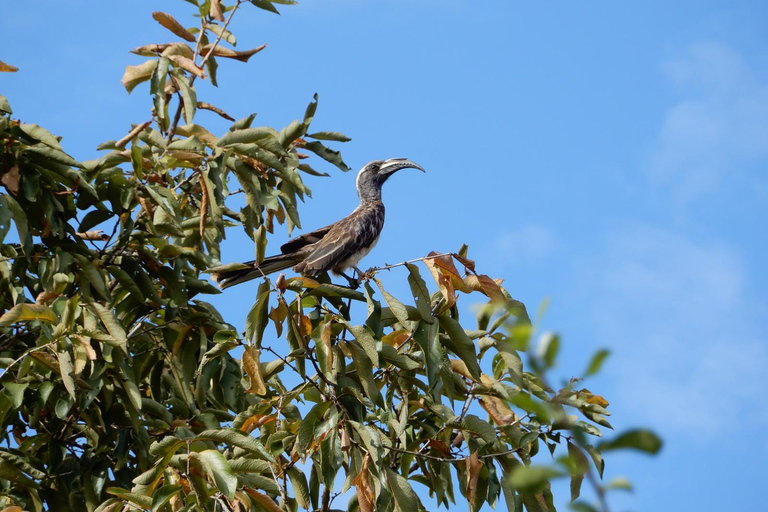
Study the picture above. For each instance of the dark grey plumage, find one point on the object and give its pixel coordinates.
(336, 247)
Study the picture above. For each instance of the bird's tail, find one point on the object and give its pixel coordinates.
(236, 273)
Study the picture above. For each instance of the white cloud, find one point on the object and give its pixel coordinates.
(690, 355)
(719, 128)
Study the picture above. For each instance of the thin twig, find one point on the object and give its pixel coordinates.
(387, 267)
(25, 354)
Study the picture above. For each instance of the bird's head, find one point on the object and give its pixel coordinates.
(373, 175)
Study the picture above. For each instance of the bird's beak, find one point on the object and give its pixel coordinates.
(395, 164)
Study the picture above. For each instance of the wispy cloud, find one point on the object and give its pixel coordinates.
(719, 127)
(691, 353)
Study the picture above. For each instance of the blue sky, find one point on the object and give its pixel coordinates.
(608, 156)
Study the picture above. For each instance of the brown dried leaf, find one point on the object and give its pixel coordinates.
(11, 180)
(499, 411)
(219, 51)
(207, 106)
(187, 64)
(278, 316)
(346, 443)
(473, 467)
(216, 10)
(440, 446)
(7, 68)
(443, 281)
(365, 496)
(174, 26)
(252, 367)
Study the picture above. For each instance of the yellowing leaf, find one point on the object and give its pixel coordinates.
(11, 180)
(252, 367)
(134, 75)
(24, 312)
(498, 410)
(219, 51)
(365, 495)
(216, 11)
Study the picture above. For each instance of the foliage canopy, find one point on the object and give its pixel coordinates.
(120, 390)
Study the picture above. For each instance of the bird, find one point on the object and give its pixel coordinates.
(335, 247)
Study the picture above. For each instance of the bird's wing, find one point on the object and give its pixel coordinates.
(299, 242)
(346, 237)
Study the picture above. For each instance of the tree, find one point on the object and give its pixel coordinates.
(120, 387)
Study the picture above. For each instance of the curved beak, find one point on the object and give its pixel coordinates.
(395, 164)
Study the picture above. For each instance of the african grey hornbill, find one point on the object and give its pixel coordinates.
(336, 247)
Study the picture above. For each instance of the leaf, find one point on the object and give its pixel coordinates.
(405, 498)
(596, 362)
(134, 75)
(639, 439)
(113, 325)
(41, 134)
(215, 466)
(163, 495)
(532, 478)
(363, 335)
(4, 105)
(266, 5)
(67, 371)
(7, 68)
(25, 312)
(174, 26)
(15, 392)
(216, 11)
(257, 318)
(327, 154)
(252, 368)
(187, 64)
(398, 308)
(580, 465)
(237, 438)
(462, 345)
(244, 136)
(188, 95)
(264, 501)
(479, 426)
(227, 53)
(336, 136)
(420, 293)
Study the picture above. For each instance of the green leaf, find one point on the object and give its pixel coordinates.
(237, 438)
(398, 308)
(15, 392)
(257, 318)
(364, 336)
(67, 370)
(462, 344)
(405, 498)
(640, 439)
(244, 136)
(113, 325)
(532, 478)
(226, 35)
(56, 155)
(335, 136)
(420, 293)
(327, 154)
(266, 5)
(4, 105)
(188, 95)
(479, 426)
(41, 134)
(141, 500)
(549, 346)
(215, 466)
(163, 495)
(92, 275)
(596, 362)
(25, 312)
